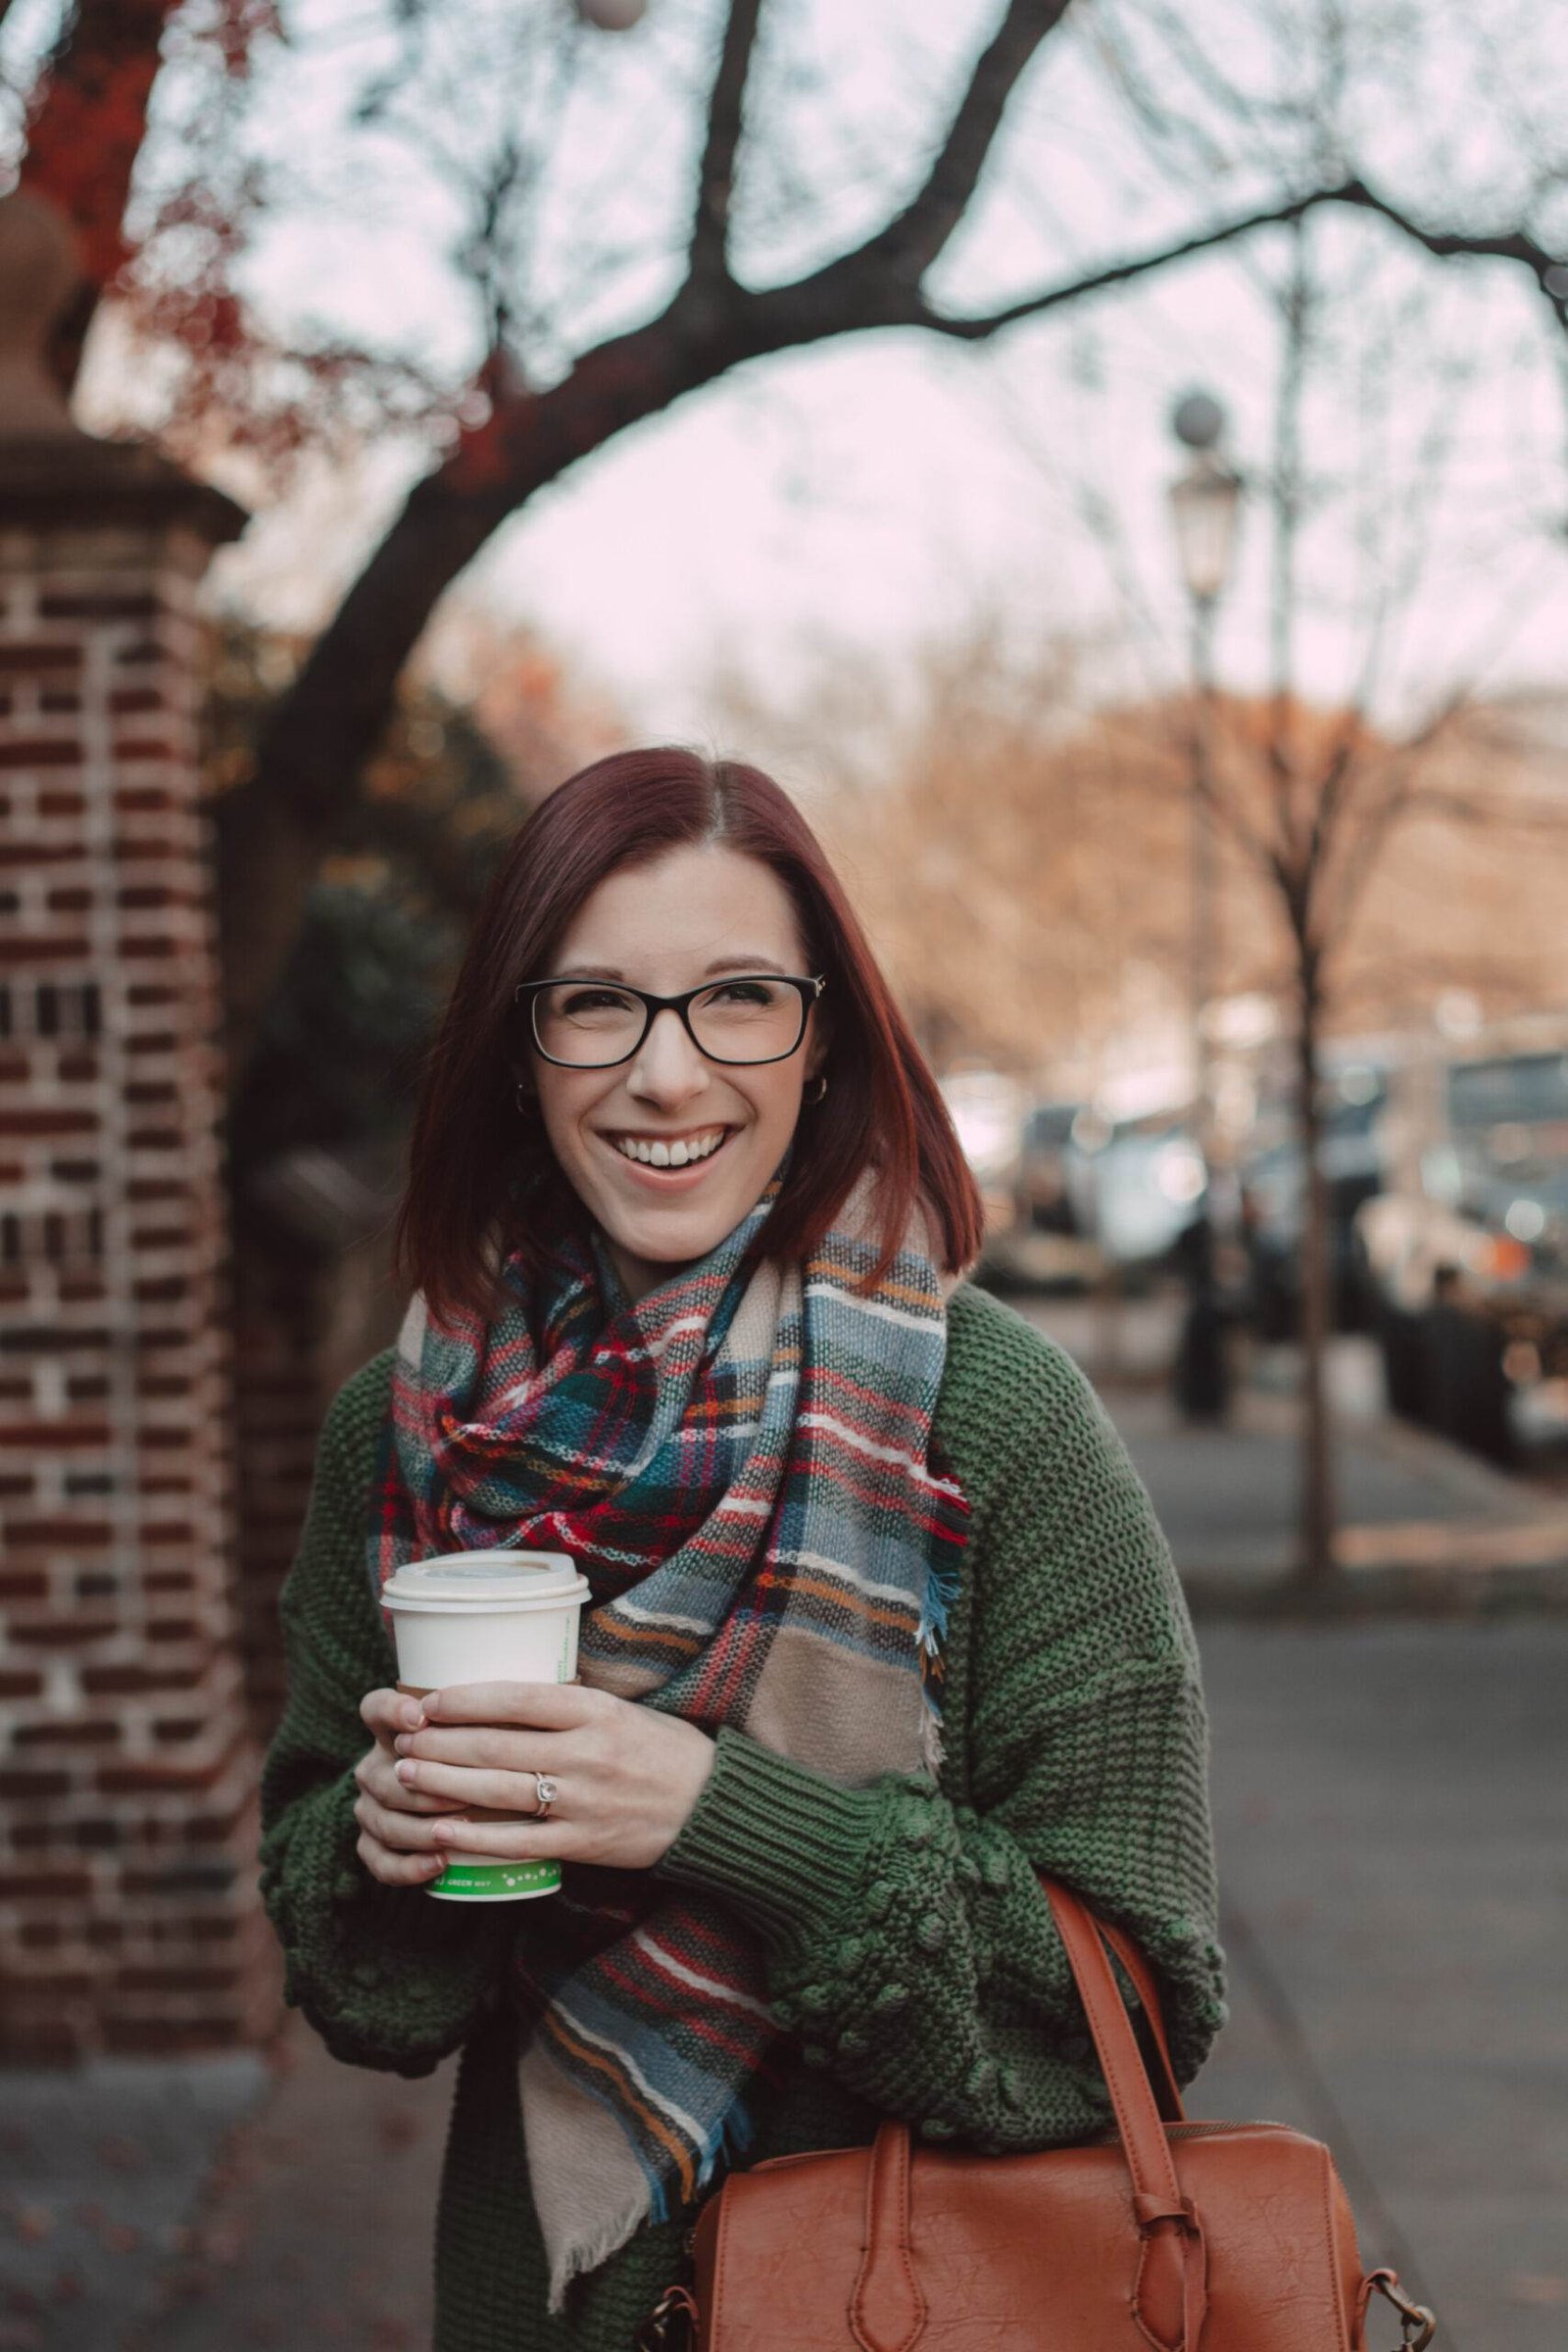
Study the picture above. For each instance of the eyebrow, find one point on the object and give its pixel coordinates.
(763, 965)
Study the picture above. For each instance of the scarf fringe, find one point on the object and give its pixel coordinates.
(576, 2256)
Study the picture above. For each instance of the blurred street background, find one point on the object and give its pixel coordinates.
(1111, 462)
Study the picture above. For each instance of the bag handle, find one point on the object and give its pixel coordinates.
(1167, 2093)
(1170, 2294)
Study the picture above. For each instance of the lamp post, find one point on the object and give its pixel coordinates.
(1204, 507)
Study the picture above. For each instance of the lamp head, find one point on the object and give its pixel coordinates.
(1197, 421)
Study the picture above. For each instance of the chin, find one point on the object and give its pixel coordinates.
(677, 1246)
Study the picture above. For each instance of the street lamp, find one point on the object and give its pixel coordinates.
(1204, 509)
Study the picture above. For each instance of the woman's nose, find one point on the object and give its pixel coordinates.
(667, 1066)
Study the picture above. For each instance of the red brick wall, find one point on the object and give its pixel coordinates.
(301, 1324)
(278, 1404)
(128, 1915)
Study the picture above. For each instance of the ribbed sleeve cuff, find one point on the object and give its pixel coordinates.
(782, 1845)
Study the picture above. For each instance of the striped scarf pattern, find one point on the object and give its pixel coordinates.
(741, 1465)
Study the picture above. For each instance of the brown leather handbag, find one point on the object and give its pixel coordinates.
(1162, 2237)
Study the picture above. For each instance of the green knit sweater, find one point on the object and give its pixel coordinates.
(909, 1947)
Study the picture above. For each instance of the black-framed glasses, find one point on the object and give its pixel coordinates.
(744, 1019)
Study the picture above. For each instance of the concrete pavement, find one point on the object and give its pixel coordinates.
(1391, 1803)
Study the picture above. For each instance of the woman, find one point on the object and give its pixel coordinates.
(881, 1622)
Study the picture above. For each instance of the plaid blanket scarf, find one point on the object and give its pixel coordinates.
(740, 1466)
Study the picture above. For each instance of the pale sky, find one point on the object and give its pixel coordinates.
(875, 493)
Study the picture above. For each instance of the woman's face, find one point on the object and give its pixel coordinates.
(685, 919)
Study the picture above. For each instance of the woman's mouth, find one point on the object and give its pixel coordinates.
(667, 1156)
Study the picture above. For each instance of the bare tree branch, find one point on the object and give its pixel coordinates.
(1515, 245)
(309, 762)
(975, 329)
(1503, 245)
(909, 243)
(1524, 814)
(1229, 815)
(716, 178)
(1366, 843)
(1286, 492)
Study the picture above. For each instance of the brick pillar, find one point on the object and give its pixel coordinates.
(127, 1913)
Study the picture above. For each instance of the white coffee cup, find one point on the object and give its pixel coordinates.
(496, 1616)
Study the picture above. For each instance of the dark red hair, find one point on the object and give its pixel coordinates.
(479, 1166)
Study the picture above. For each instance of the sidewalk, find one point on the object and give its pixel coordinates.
(216, 2205)
(1390, 1806)
(1424, 1526)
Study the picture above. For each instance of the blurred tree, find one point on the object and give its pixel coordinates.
(86, 123)
(621, 242)
(335, 1060)
(1309, 800)
(1014, 887)
(1022, 857)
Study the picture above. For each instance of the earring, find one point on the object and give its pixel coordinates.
(821, 1084)
(522, 1096)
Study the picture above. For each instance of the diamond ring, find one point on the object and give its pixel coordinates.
(546, 1791)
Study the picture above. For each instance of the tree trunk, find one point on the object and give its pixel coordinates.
(1316, 1566)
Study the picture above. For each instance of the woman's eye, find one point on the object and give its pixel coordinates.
(595, 999)
(745, 992)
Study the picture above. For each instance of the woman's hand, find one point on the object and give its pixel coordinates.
(628, 1776)
(396, 1842)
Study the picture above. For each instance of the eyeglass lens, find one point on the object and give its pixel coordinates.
(590, 1023)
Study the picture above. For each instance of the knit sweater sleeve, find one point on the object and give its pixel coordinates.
(908, 1942)
(387, 1977)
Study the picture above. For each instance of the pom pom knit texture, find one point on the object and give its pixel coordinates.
(909, 1953)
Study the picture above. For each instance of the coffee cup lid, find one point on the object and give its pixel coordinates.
(483, 1580)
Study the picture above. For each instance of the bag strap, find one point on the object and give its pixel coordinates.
(1171, 2295)
(1168, 2092)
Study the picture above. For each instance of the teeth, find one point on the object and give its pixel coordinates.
(678, 1154)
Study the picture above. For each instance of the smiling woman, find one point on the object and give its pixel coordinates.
(669, 1113)
(879, 1624)
(669, 883)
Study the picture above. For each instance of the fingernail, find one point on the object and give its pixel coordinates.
(402, 1744)
(432, 1706)
(414, 1717)
(407, 1773)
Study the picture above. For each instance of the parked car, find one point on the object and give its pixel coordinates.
(1465, 1254)
(1044, 1191)
(1142, 1183)
(1045, 1241)
(987, 1108)
(1273, 1200)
